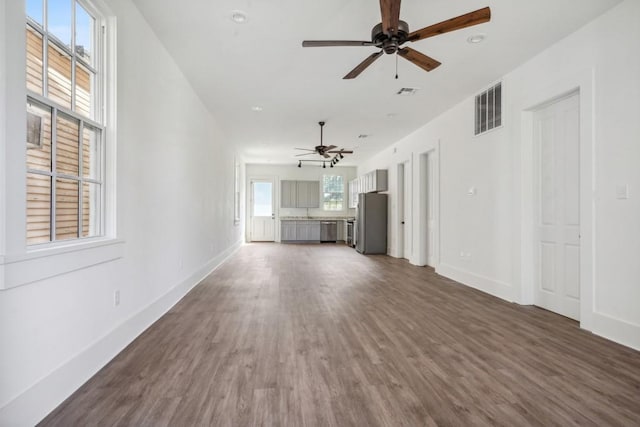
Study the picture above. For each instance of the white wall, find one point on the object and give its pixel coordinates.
(305, 173)
(175, 216)
(492, 226)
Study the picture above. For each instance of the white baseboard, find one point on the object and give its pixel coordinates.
(490, 286)
(625, 333)
(37, 402)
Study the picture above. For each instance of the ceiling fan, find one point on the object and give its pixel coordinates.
(324, 150)
(392, 33)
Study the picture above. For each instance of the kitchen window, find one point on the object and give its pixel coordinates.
(333, 193)
(66, 133)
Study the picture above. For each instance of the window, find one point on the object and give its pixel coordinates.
(65, 123)
(488, 109)
(333, 193)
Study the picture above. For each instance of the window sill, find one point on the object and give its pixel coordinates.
(41, 264)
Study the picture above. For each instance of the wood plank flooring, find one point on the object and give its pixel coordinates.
(306, 335)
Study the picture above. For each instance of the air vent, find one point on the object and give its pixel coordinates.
(407, 91)
(488, 109)
(363, 136)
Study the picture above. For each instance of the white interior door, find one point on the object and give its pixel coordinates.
(408, 240)
(557, 139)
(262, 211)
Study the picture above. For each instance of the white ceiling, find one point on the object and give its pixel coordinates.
(261, 63)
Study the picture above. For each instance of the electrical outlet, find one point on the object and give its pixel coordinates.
(116, 298)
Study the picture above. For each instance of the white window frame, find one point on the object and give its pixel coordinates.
(343, 194)
(96, 121)
(21, 264)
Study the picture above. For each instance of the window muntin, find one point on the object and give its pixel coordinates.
(488, 109)
(332, 193)
(65, 172)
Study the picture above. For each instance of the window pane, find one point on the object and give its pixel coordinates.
(38, 136)
(333, 192)
(59, 19)
(59, 75)
(66, 209)
(84, 91)
(91, 197)
(67, 145)
(34, 10)
(84, 34)
(262, 199)
(91, 152)
(34, 61)
(38, 208)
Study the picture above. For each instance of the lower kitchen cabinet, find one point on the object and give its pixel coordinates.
(287, 230)
(300, 231)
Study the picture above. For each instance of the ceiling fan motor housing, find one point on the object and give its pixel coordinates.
(391, 44)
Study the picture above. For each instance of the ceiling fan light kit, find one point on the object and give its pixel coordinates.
(392, 33)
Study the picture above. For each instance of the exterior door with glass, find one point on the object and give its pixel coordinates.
(262, 211)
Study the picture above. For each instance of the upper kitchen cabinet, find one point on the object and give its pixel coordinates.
(300, 194)
(308, 194)
(288, 194)
(375, 181)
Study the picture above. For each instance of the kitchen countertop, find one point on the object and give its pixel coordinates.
(315, 218)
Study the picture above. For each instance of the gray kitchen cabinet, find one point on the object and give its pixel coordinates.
(299, 194)
(308, 231)
(308, 194)
(288, 194)
(341, 226)
(288, 231)
(353, 193)
(314, 231)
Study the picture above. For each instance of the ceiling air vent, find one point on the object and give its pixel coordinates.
(407, 91)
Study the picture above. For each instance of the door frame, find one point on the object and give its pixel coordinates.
(424, 198)
(403, 169)
(582, 84)
(249, 211)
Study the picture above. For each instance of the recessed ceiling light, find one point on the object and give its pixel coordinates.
(256, 108)
(238, 16)
(476, 38)
(391, 115)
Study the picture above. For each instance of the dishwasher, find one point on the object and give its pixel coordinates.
(328, 231)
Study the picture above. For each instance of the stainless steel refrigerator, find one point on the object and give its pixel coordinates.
(372, 223)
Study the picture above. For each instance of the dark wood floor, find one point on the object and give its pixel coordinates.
(297, 335)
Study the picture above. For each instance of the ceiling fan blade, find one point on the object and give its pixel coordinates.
(330, 147)
(362, 66)
(304, 154)
(463, 21)
(341, 151)
(329, 43)
(390, 11)
(305, 149)
(420, 59)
